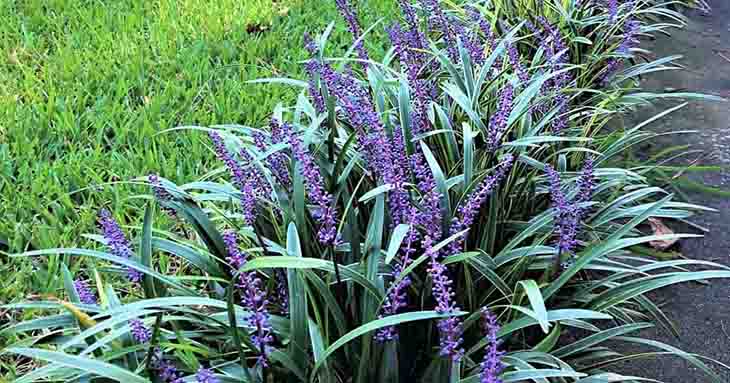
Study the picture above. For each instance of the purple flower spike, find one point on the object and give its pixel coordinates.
(140, 332)
(612, 66)
(468, 211)
(560, 120)
(586, 184)
(498, 121)
(347, 10)
(249, 183)
(396, 300)
(253, 299)
(282, 291)
(205, 375)
(492, 364)
(567, 217)
(86, 296)
(514, 58)
(630, 39)
(438, 21)
(450, 329)
(314, 70)
(161, 194)
(116, 242)
(277, 162)
(325, 214)
(612, 10)
(168, 373)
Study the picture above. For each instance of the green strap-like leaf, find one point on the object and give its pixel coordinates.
(282, 262)
(537, 302)
(91, 366)
(374, 325)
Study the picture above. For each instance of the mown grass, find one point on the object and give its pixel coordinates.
(87, 86)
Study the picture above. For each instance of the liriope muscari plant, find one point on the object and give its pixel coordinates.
(454, 211)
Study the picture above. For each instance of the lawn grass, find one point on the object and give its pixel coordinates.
(87, 86)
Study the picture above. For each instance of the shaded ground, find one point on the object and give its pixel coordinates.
(702, 313)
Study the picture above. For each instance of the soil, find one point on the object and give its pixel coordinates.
(701, 312)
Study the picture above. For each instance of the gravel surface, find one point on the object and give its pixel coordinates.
(701, 312)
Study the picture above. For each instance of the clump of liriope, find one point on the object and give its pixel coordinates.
(362, 233)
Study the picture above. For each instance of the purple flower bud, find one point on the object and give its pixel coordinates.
(139, 331)
(86, 296)
(205, 375)
(282, 291)
(116, 242)
(492, 364)
(395, 300)
(430, 215)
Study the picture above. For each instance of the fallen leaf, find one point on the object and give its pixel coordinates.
(661, 229)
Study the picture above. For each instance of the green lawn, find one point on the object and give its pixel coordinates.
(86, 86)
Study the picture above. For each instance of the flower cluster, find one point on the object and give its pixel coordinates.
(414, 38)
(406, 49)
(492, 364)
(205, 375)
(630, 37)
(372, 139)
(168, 372)
(468, 211)
(243, 182)
(139, 331)
(116, 242)
(612, 6)
(86, 296)
(568, 212)
(450, 329)
(348, 12)
(498, 121)
(325, 212)
(628, 42)
(558, 56)
(439, 22)
(313, 70)
(253, 299)
(430, 215)
(276, 162)
(514, 59)
(394, 301)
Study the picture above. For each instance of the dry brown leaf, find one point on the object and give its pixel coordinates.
(661, 229)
